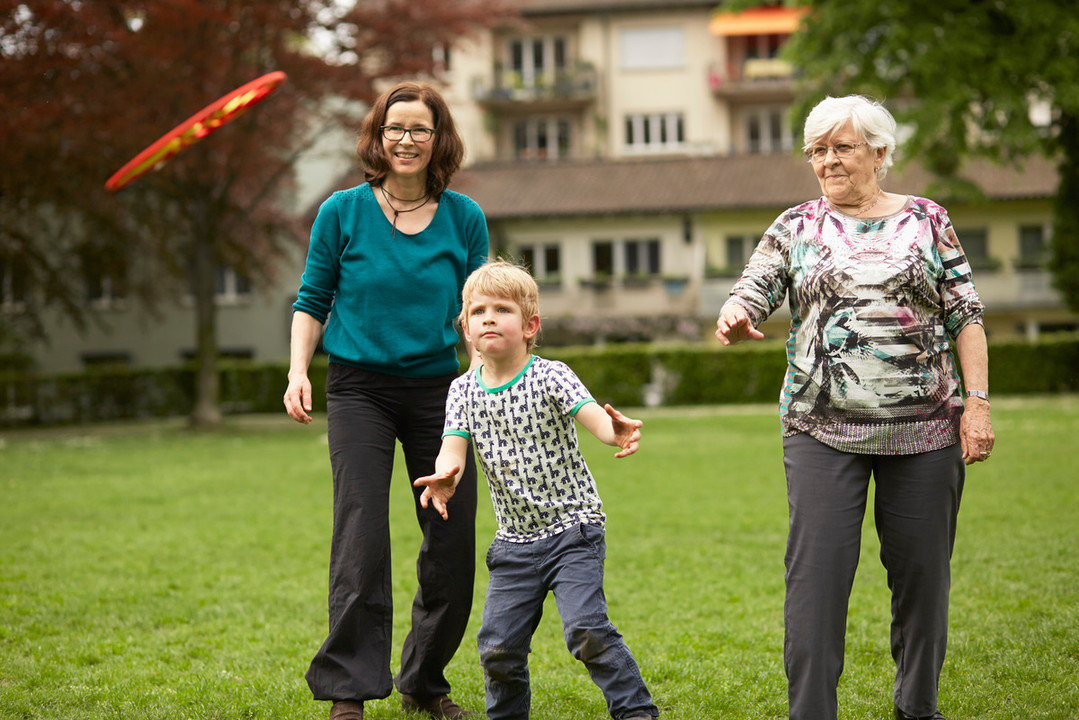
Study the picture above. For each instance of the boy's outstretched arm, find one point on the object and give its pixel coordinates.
(441, 485)
(611, 427)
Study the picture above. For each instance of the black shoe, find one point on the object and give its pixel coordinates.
(900, 715)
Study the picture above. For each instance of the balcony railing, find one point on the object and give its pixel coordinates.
(574, 85)
(753, 76)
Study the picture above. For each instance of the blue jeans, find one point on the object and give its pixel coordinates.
(570, 565)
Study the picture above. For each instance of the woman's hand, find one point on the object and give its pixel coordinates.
(734, 325)
(298, 398)
(976, 431)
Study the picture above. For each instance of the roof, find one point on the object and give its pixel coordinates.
(695, 184)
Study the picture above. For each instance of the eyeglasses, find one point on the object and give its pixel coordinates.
(841, 150)
(418, 134)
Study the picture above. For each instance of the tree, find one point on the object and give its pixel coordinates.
(86, 84)
(964, 75)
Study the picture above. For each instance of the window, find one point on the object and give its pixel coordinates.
(536, 61)
(541, 139)
(641, 257)
(441, 55)
(603, 258)
(737, 252)
(766, 131)
(230, 285)
(655, 132)
(14, 274)
(653, 48)
(552, 260)
(543, 261)
(105, 277)
(106, 360)
(975, 242)
(1032, 247)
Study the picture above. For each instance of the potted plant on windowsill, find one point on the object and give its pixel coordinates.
(551, 281)
(675, 283)
(637, 280)
(599, 281)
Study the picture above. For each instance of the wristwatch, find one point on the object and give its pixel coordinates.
(978, 394)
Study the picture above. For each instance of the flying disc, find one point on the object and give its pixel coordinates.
(195, 128)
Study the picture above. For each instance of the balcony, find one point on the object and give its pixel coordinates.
(752, 40)
(560, 90)
(753, 80)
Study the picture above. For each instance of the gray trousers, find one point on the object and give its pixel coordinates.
(916, 503)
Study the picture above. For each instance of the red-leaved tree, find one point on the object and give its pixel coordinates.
(86, 84)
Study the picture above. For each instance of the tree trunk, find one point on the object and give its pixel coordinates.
(207, 410)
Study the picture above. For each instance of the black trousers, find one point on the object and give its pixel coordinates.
(367, 413)
(916, 505)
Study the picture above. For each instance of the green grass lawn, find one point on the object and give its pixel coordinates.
(147, 572)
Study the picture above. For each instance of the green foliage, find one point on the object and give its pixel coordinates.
(148, 572)
(614, 374)
(88, 85)
(622, 375)
(962, 77)
(1050, 366)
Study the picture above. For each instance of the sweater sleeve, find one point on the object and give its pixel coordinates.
(763, 285)
(318, 285)
(962, 305)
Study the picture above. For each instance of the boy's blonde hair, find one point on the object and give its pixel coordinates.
(502, 279)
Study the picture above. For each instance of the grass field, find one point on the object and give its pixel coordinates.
(147, 572)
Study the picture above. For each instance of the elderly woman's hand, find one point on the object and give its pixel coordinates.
(976, 431)
(734, 325)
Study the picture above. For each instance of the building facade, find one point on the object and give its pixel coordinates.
(631, 153)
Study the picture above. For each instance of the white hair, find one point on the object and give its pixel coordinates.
(868, 118)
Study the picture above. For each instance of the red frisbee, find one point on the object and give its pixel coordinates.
(195, 128)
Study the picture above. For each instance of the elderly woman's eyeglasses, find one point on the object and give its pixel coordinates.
(841, 150)
(418, 134)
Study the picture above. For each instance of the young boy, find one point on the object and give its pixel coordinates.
(518, 410)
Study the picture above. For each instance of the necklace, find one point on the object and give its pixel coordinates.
(426, 197)
(880, 194)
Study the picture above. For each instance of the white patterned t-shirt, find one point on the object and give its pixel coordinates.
(526, 439)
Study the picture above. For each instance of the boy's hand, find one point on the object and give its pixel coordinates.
(627, 431)
(439, 489)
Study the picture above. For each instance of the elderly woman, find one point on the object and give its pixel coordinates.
(879, 290)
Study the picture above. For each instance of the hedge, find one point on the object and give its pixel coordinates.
(624, 375)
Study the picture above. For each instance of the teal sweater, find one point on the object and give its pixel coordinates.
(394, 297)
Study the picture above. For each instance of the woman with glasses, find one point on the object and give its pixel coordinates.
(880, 292)
(385, 267)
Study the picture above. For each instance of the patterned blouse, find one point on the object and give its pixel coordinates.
(525, 437)
(875, 305)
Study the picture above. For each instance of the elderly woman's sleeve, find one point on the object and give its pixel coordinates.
(763, 284)
(961, 303)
